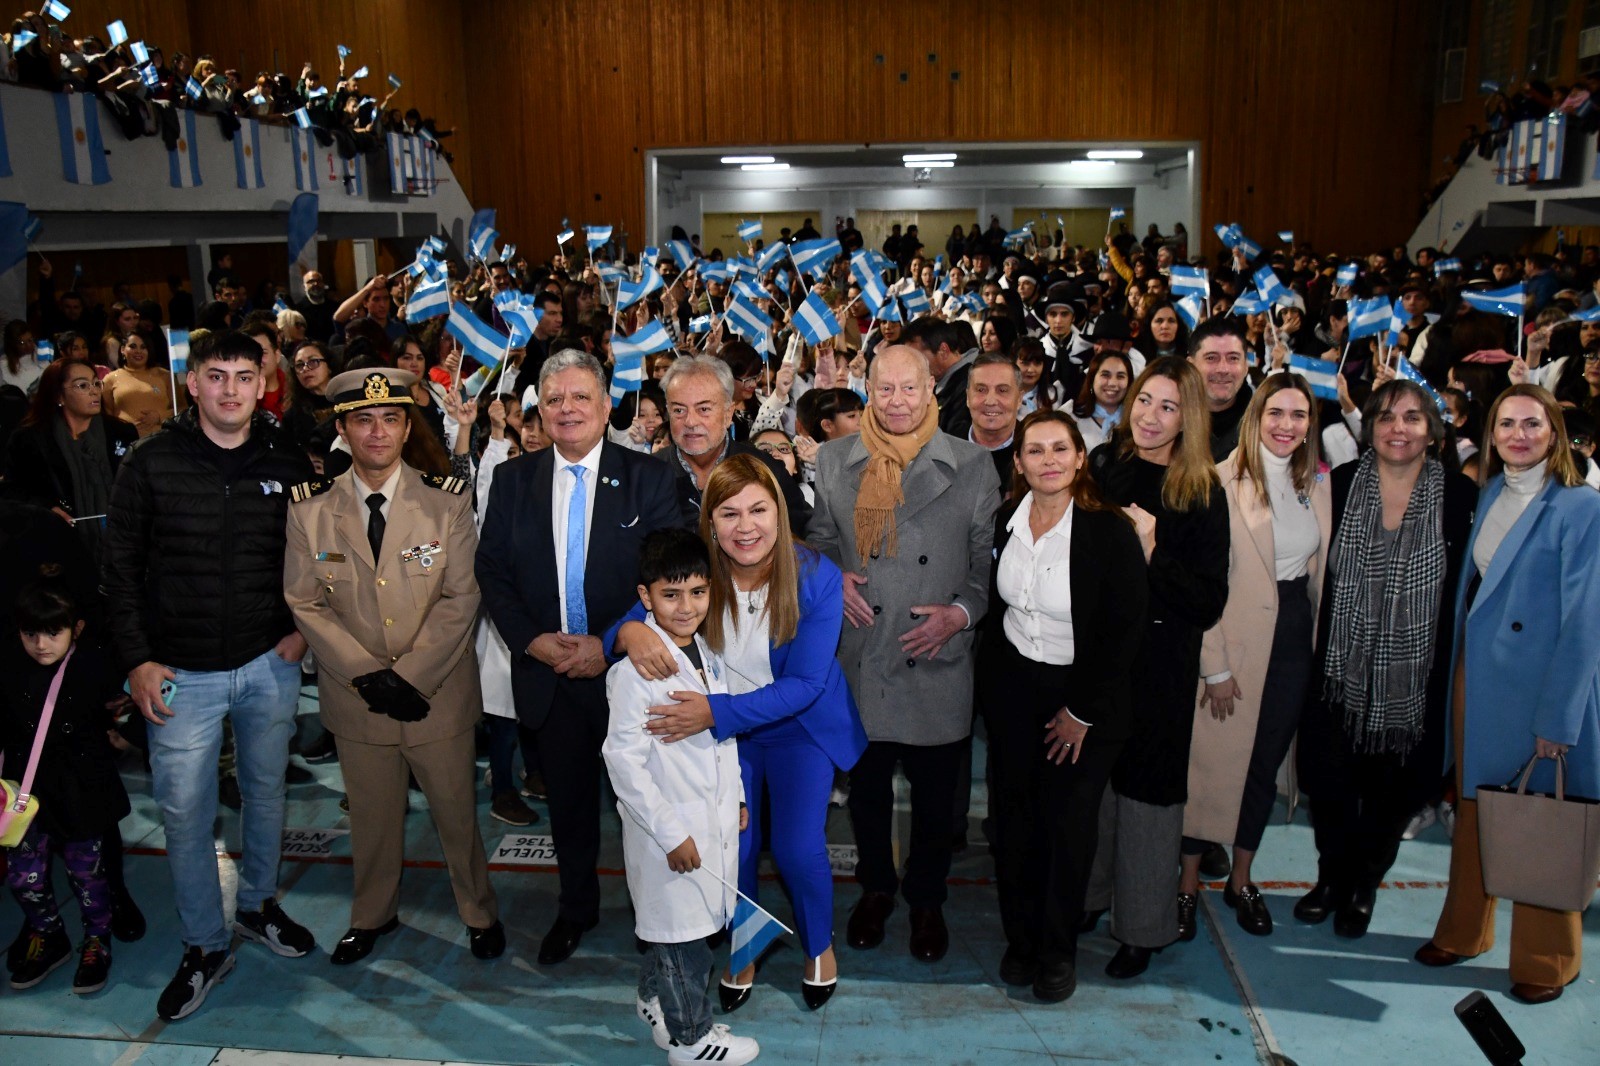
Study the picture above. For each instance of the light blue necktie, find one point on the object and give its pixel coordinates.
(577, 513)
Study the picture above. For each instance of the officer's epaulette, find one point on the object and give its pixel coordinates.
(454, 485)
(307, 489)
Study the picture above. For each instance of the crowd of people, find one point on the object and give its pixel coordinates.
(1132, 544)
(142, 88)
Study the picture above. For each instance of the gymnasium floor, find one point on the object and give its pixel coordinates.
(1302, 994)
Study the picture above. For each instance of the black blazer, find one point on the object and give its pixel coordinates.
(517, 556)
(1110, 596)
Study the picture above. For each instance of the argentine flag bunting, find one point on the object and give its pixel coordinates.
(247, 154)
(305, 169)
(83, 154)
(183, 162)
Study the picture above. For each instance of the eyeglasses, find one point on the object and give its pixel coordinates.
(302, 365)
(776, 449)
(85, 385)
(1590, 357)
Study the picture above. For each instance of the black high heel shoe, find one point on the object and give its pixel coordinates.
(816, 993)
(732, 996)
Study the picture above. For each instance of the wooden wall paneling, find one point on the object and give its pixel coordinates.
(1307, 112)
(155, 22)
(143, 270)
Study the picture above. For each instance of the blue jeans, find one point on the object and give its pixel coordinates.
(681, 975)
(260, 698)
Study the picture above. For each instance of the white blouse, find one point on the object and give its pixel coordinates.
(1295, 534)
(1034, 582)
(748, 651)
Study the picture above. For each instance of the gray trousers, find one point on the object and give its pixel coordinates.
(1136, 870)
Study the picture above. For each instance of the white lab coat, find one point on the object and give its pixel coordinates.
(668, 793)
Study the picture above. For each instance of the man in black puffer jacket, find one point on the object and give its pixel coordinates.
(193, 577)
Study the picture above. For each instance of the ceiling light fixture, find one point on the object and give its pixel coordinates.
(1115, 153)
(765, 166)
(731, 159)
(1098, 163)
(928, 157)
(940, 164)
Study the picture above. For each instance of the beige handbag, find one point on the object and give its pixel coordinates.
(1539, 849)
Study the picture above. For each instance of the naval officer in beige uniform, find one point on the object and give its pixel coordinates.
(379, 574)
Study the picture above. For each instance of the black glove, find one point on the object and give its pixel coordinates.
(386, 692)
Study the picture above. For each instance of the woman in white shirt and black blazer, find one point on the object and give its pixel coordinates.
(1053, 683)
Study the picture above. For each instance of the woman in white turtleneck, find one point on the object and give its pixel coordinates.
(1256, 662)
(1527, 675)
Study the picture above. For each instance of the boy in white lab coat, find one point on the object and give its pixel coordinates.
(682, 809)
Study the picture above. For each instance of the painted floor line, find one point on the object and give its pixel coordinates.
(1267, 1048)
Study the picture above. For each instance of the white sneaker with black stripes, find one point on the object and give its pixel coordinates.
(719, 1046)
(650, 1013)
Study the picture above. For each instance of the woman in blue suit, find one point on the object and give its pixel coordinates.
(775, 615)
(1527, 673)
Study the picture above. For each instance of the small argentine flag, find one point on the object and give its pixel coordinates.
(43, 351)
(746, 319)
(1190, 309)
(194, 88)
(344, 52)
(1507, 301)
(35, 226)
(814, 257)
(83, 153)
(627, 376)
(480, 340)
(1368, 317)
(771, 256)
(521, 320)
(652, 338)
(750, 231)
(1268, 285)
(1228, 233)
(1286, 236)
(815, 320)
(302, 119)
(1397, 322)
(57, 10)
(1116, 213)
(117, 32)
(916, 303)
(279, 306)
(682, 253)
(141, 54)
(700, 325)
(1320, 374)
(597, 236)
(429, 300)
(1346, 275)
(1252, 250)
(1406, 369)
(1446, 266)
(565, 235)
(482, 243)
(362, 73)
(1249, 303)
(1187, 279)
(394, 82)
(753, 930)
(178, 350)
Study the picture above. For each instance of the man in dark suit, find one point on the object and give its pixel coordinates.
(556, 564)
(940, 342)
(994, 392)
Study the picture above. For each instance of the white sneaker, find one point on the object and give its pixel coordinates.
(1447, 817)
(719, 1046)
(1419, 821)
(650, 1014)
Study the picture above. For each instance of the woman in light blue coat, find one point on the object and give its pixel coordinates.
(1527, 674)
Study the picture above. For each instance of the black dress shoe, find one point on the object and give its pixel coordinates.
(1250, 908)
(732, 997)
(1187, 929)
(1355, 915)
(357, 944)
(1314, 907)
(487, 943)
(866, 921)
(562, 940)
(127, 920)
(817, 993)
(1056, 982)
(1018, 967)
(1214, 864)
(1090, 919)
(929, 937)
(1129, 962)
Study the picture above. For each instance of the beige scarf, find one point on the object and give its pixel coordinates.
(888, 455)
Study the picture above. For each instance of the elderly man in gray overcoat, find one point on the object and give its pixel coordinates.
(908, 514)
